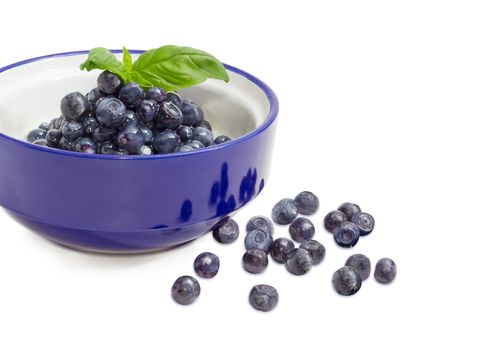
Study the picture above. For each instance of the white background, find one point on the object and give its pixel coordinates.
(385, 103)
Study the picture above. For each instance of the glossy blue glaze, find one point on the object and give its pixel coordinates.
(138, 203)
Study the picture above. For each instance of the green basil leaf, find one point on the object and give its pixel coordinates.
(127, 59)
(173, 68)
(101, 58)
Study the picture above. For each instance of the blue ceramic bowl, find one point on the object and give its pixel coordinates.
(128, 204)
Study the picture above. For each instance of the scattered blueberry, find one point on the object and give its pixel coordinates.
(102, 134)
(131, 94)
(260, 222)
(349, 209)
(346, 281)
(85, 145)
(169, 116)
(307, 203)
(263, 297)
(185, 290)
(255, 261)
(206, 265)
(203, 135)
(166, 142)
(347, 234)
(281, 249)
(284, 212)
(110, 112)
(258, 239)
(107, 147)
(333, 220)
(131, 139)
(156, 94)
(109, 83)
(147, 110)
(174, 97)
(36, 134)
(221, 139)
(361, 264)
(315, 248)
(301, 229)
(299, 262)
(365, 222)
(193, 115)
(385, 270)
(72, 130)
(74, 106)
(227, 233)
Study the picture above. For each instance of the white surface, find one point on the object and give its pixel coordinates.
(385, 103)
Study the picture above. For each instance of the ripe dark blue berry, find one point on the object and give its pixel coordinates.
(307, 203)
(102, 134)
(195, 144)
(147, 134)
(74, 106)
(185, 290)
(333, 220)
(89, 124)
(205, 124)
(53, 137)
(185, 133)
(130, 139)
(145, 150)
(169, 116)
(107, 147)
(365, 222)
(260, 222)
(346, 281)
(316, 249)
(44, 126)
(156, 94)
(258, 239)
(36, 134)
(131, 94)
(183, 148)
(284, 212)
(299, 262)
(281, 249)
(66, 145)
(361, 264)
(263, 297)
(85, 145)
(93, 96)
(166, 142)
(147, 110)
(385, 270)
(221, 139)
(349, 209)
(255, 261)
(121, 152)
(109, 83)
(72, 130)
(203, 135)
(347, 234)
(301, 229)
(131, 118)
(192, 114)
(174, 97)
(206, 265)
(110, 112)
(226, 233)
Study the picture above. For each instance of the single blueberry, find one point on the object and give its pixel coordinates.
(131, 139)
(145, 150)
(385, 270)
(52, 123)
(346, 281)
(315, 248)
(347, 234)
(221, 139)
(131, 94)
(107, 147)
(110, 112)
(58, 123)
(85, 145)
(349, 209)
(183, 148)
(166, 142)
(147, 134)
(255, 261)
(66, 145)
(102, 134)
(109, 83)
(307, 203)
(89, 125)
(281, 249)
(365, 222)
(333, 220)
(185, 133)
(174, 97)
(36, 134)
(156, 94)
(44, 126)
(74, 106)
(92, 96)
(260, 222)
(147, 110)
(258, 239)
(263, 297)
(299, 262)
(205, 124)
(206, 265)
(203, 135)
(195, 144)
(72, 130)
(168, 116)
(284, 212)
(192, 113)
(361, 264)
(185, 290)
(131, 118)
(227, 233)
(53, 137)
(301, 229)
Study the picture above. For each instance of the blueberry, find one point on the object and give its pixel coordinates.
(361, 264)
(195, 144)
(347, 234)
(255, 261)
(284, 212)
(147, 110)
(193, 115)
(72, 130)
(131, 139)
(110, 112)
(206, 265)
(44, 126)
(315, 248)
(258, 239)
(385, 270)
(121, 152)
(346, 281)
(89, 125)
(185, 290)
(93, 96)
(307, 203)
(227, 233)
(109, 83)
(263, 297)
(147, 134)
(349, 209)
(107, 147)
(74, 106)
(365, 222)
(183, 148)
(260, 222)
(102, 134)
(166, 142)
(53, 137)
(281, 249)
(65, 144)
(145, 150)
(41, 142)
(221, 139)
(156, 94)
(301, 229)
(203, 135)
(299, 262)
(205, 124)
(333, 220)
(57, 123)
(36, 134)
(52, 123)
(131, 118)
(169, 116)
(85, 145)
(185, 133)
(174, 97)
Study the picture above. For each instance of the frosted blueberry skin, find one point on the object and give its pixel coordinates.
(284, 212)
(85, 145)
(299, 262)
(110, 112)
(74, 106)
(301, 229)
(365, 223)
(227, 233)
(316, 249)
(221, 139)
(333, 220)
(36, 134)
(307, 203)
(102, 134)
(203, 135)
(131, 95)
(168, 116)
(166, 142)
(281, 249)
(361, 264)
(349, 209)
(72, 130)
(255, 261)
(260, 222)
(258, 239)
(346, 281)
(206, 265)
(156, 94)
(347, 235)
(130, 139)
(385, 270)
(185, 290)
(175, 98)
(147, 110)
(192, 114)
(263, 297)
(109, 83)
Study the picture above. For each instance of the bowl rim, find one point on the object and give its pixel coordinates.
(272, 115)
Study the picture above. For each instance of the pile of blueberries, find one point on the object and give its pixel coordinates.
(114, 118)
(259, 244)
